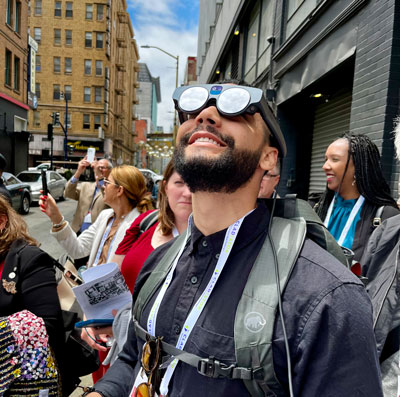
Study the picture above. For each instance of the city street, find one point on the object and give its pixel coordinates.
(39, 226)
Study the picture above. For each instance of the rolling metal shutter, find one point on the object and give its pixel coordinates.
(332, 119)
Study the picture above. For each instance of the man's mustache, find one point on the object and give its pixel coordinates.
(208, 128)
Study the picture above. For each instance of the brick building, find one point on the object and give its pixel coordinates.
(86, 68)
(13, 83)
(327, 66)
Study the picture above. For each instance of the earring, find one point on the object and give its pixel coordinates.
(354, 182)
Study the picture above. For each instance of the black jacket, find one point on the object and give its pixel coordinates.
(33, 272)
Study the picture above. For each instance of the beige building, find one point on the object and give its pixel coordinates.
(86, 67)
(13, 83)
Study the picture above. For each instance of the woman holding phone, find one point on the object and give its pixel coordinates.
(125, 192)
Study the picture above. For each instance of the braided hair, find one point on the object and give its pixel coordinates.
(368, 174)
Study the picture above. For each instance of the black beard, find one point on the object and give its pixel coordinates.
(232, 170)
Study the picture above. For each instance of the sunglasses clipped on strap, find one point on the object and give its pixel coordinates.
(230, 100)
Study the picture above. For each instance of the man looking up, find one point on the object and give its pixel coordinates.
(269, 182)
(224, 147)
(88, 194)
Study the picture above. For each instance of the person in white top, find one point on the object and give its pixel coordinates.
(125, 192)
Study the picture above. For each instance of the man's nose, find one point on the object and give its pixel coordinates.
(210, 116)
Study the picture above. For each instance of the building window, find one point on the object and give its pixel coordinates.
(9, 12)
(86, 121)
(68, 92)
(56, 64)
(36, 118)
(99, 40)
(97, 121)
(100, 12)
(68, 65)
(68, 9)
(297, 12)
(8, 68)
(99, 68)
(97, 94)
(56, 91)
(57, 9)
(17, 26)
(57, 36)
(89, 11)
(88, 39)
(88, 66)
(38, 63)
(68, 37)
(17, 73)
(37, 35)
(37, 90)
(68, 121)
(251, 45)
(86, 94)
(38, 8)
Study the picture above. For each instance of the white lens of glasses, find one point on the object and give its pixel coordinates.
(233, 100)
(193, 99)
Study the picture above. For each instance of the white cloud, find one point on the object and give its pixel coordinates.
(158, 25)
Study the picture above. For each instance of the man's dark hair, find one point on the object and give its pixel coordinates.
(3, 162)
(368, 174)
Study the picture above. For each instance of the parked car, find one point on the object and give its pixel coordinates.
(151, 174)
(55, 183)
(21, 196)
(43, 166)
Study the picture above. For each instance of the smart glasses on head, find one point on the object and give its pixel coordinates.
(230, 100)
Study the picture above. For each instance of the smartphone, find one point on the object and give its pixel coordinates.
(90, 154)
(44, 183)
(95, 323)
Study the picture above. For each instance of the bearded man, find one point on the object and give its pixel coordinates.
(227, 140)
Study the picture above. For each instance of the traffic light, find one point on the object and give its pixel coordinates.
(49, 132)
(56, 118)
(71, 149)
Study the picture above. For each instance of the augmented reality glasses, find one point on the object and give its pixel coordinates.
(230, 100)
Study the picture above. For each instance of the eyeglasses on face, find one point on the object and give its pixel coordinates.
(231, 101)
(269, 175)
(103, 168)
(107, 182)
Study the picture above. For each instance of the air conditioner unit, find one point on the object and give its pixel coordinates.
(101, 133)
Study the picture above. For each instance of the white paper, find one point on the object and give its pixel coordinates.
(104, 289)
(90, 154)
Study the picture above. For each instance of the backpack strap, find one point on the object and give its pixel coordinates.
(147, 222)
(158, 275)
(378, 217)
(256, 312)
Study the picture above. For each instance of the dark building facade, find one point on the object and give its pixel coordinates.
(328, 67)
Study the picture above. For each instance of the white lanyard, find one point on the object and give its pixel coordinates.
(197, 309)
(102, 242)
(350, 219)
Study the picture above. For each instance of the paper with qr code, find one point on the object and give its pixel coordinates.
(104, 289)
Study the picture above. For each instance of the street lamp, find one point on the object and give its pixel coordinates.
(176, 80)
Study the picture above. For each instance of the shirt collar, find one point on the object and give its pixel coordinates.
(253, 225)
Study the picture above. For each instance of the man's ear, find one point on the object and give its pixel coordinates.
(269, 158)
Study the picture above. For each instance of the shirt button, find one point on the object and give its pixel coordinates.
(217, 256)
(193, 280)
(204, 243)
(177, 329)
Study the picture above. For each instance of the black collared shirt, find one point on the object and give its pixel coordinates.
(327, 315)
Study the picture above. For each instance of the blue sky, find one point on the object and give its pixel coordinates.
(171, 25)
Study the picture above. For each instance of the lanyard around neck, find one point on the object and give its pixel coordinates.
(350, 219)
(103, 241)
(230, 237)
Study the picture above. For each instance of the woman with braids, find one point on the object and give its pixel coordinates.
(356, 193)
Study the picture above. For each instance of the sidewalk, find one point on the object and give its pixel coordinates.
(86, 381)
